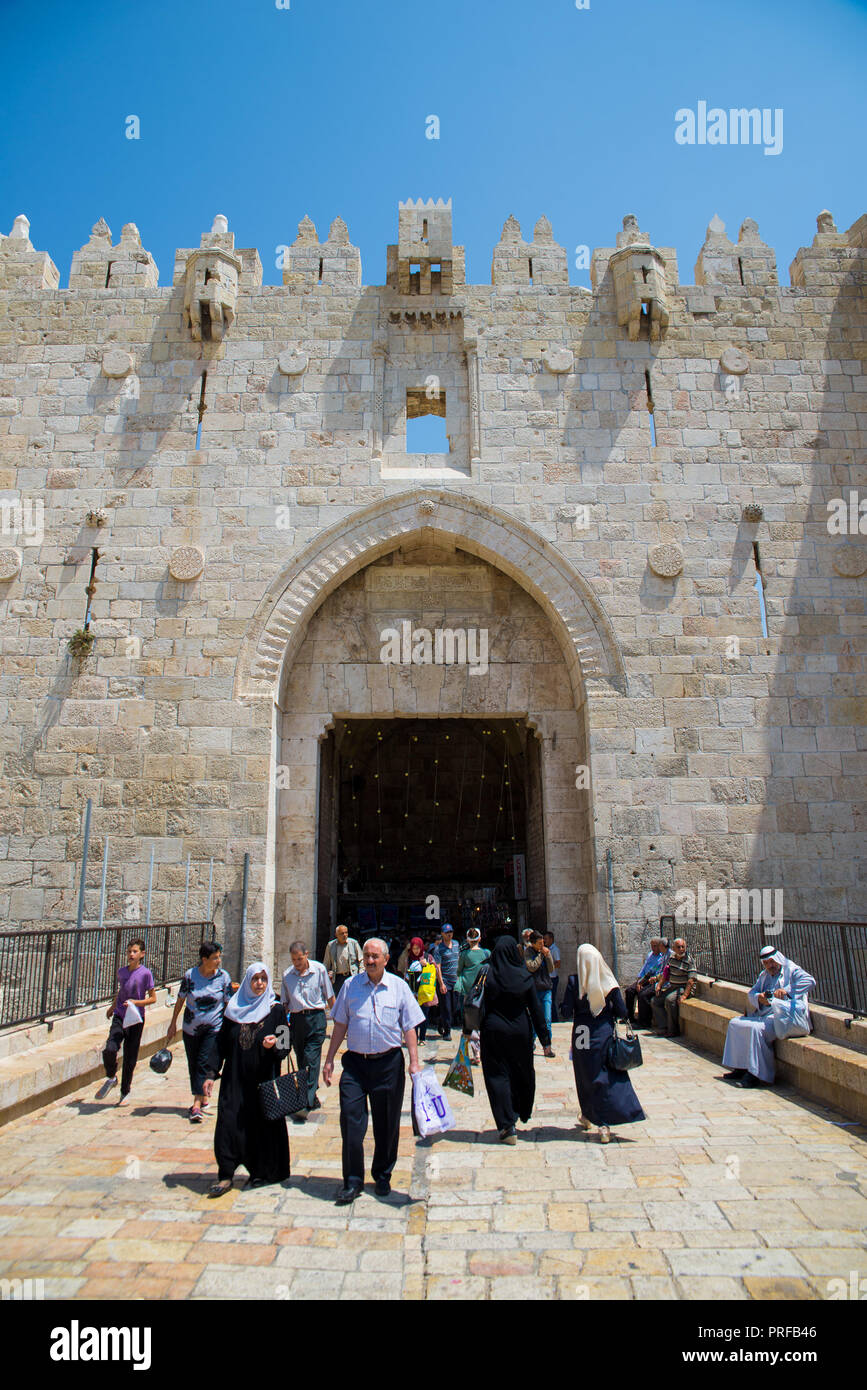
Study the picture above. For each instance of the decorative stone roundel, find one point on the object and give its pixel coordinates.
(427, 507)
(850, 560)
(187, 562)
(734, 362)
(558, 360)
(117, 363)
(292, 362)
(666, 560)
(10, 564)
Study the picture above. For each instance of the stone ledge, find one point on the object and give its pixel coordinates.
(823, 1070)
(29, 1080)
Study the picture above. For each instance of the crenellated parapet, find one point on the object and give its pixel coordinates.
(335, 262)
(522, 263)
(101, 266)
(749, 262)
(425, 260)
(832, 257)
(21, 266)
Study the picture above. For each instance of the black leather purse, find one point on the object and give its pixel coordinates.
(284, 1095)
(624, 1049)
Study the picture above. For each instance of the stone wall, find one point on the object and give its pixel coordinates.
(733, 761)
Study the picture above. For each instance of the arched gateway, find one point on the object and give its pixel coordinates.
(434, 667)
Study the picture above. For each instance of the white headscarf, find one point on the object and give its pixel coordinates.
(247, 1007)
(594, 978)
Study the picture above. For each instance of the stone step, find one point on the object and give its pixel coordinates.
(827, 1071)
(33, 1078)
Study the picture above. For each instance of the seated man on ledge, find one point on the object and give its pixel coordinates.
(749, 1040)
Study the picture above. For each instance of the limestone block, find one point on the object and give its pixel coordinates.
(186, 562)
(558, 360)
(10, 406)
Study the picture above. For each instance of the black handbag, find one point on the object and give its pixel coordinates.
(624, 1049)
(284, 1095)
(473, 1001)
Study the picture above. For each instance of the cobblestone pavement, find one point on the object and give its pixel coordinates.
(723, 1193)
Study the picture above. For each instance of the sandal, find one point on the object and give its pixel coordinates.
(219, 1189)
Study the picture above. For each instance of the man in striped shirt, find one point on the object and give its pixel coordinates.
(678, 983)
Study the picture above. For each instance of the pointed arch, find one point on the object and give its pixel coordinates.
(278, 627)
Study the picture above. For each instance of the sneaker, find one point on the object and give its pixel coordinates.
(107, 1086)
(123, 1098)
(196, 1116)
(206, 1104)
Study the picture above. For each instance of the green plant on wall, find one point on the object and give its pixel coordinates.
(81, 643)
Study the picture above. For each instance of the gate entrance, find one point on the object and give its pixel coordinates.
(422, 821)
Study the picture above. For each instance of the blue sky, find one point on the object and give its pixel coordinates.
(266, 114)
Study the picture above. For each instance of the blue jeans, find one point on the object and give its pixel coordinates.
(545, 1001)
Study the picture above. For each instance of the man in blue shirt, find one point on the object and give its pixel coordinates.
(375, 1011)
(446, 953)
(642, 990)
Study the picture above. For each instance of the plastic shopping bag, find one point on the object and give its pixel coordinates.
(432, 1111)
(131, 1015)
(790, 1016)
(460, 1074)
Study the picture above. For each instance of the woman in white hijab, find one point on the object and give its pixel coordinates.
(749, 1049)
(605, 1095)
(252, 1042)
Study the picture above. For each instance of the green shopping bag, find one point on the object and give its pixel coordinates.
(460, 1074)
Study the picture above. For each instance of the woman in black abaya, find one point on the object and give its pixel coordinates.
(249, 1041)
(510, 1010)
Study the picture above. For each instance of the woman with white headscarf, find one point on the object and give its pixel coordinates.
(749, 1049)
(252, 1044)
(605, 1095)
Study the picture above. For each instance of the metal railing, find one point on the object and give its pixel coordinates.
(834, 953)
(59, 970)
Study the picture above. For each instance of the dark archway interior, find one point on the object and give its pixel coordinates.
(417, 808)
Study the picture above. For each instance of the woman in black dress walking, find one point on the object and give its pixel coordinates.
(251, 1044)
(510, 1011)
(606, 1096)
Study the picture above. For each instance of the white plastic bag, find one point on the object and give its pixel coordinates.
(131, 1015)
(432, 1111)
(790, 1016)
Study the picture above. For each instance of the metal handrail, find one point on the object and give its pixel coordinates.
(56, 970)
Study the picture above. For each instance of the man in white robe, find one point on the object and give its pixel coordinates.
(749, 1040)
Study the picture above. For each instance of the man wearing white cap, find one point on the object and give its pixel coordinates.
(749, 1053)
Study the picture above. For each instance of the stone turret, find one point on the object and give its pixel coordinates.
(825, 262)
(335, 262)
(638, 271)
(521, 263)
(21, 267)
(425, 261)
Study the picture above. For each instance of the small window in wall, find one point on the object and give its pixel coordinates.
(426, 422)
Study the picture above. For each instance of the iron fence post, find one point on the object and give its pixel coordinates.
(847, 966)
(76, 954)
(712, 951)
(46, 971)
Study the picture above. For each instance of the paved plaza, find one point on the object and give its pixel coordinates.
(723, 1193)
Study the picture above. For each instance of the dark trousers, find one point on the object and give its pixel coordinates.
(130, 1040)
(339, 982)
(639, 998)
(555, 982)
(306, 1037)
(447, 1009)
(381, 1081)
(203, 1058)
(666, 1010)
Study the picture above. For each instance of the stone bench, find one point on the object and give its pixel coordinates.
(830, 1065)
(42, 1062)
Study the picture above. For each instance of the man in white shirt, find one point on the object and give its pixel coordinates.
(306, 994)
(375, 1012)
